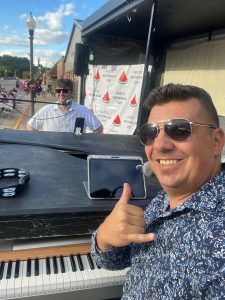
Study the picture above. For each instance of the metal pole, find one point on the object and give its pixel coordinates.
(31, 37)
(145, 75)
(81, 100)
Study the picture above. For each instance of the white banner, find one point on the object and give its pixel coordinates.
(113, 94)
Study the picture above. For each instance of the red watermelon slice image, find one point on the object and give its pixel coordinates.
(106, 98)
(97, 76)
(133, 102)
(123, 78)
(117, 121)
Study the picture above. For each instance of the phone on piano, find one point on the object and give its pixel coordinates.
(79, 126)
(107, 174)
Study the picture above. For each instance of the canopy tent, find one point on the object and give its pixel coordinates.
(156, 24)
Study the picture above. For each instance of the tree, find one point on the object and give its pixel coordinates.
(14, 65)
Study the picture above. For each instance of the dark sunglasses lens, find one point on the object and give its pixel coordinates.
(148, 133)
(178, 129)
(62, 90)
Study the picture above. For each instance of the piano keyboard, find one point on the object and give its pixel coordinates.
(51, 275)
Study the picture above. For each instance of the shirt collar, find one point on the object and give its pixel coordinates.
(206, 199)
(57, 107)
(210, 194)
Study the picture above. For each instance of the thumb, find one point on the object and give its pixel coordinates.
(124, 199)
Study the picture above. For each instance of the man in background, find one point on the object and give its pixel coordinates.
(61, 117)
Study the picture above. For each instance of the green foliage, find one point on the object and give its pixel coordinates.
(12, 65)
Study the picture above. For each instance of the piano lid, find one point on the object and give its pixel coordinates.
(55, 202)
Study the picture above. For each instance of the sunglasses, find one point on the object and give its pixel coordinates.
(65, 91)
(178, 130)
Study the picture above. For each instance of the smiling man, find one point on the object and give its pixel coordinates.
(61, 117)
(175, 247)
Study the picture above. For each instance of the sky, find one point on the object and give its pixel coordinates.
(54, 22)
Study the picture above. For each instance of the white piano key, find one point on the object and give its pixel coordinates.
(59, 276)
(18, 281)
(32, 281)
(74, 280)
(25, 279)
(105, 280)
(39, 279)
(80, 279)
(124, 274)
(45, 277)
(11, 282)
(92, 276)
(85, 275)
(3, 283)
(66, 276)
(101, 278)
(52, 276)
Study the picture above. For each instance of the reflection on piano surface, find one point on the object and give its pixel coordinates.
(48, 277)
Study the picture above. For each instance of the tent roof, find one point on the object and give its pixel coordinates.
(175, 19)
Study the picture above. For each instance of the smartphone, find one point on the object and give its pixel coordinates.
(79, 126)
(107, 174)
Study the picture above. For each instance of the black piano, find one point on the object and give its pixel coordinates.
(45, 230)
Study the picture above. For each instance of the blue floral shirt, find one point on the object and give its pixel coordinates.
(186, 260)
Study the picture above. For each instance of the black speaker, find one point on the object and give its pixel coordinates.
(81, 59)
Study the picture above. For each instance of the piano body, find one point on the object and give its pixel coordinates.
(45, 231)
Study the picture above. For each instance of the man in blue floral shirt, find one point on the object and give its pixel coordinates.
(175, 248)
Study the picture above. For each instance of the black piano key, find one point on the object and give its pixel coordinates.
(17, 269)
(2, 269)
(73, 264)
(36, 267)
(28, 272)
(80, 263)
(90, 261)
(62, 265)
(9, 270)
(55, 267)
(48, 269)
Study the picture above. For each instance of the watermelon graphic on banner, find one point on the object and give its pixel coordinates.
(106, 98)
(123, 78)
(97, 76)
(117, 121)
(133, 102)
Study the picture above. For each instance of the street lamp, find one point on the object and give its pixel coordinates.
(31, 24)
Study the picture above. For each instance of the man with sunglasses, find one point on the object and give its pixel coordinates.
(175, 248)
(61, 117)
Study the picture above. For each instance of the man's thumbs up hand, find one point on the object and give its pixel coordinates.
(124, 225)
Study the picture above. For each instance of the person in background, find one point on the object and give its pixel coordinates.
(175, 248)
(61, 117)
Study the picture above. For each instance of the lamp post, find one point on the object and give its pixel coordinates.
(31, 24)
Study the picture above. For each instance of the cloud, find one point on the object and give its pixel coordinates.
(53, 20)
(49, 33)
(49, 37)
(6, 27)
(13, 40)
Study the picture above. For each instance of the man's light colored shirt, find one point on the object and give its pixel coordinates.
(186, 260)
(51, 118)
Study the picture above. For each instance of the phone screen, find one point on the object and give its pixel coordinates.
(107, 176)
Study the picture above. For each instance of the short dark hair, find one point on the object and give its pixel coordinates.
(179, 92)
(64, 83)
